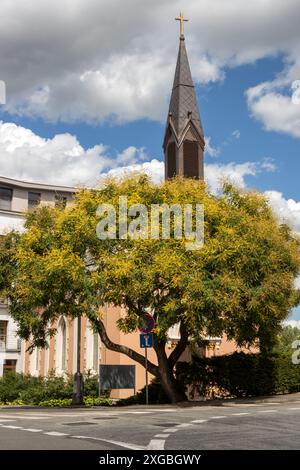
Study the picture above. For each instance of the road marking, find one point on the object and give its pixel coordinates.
(16, 416)
(127, 445)
(199, 421)
(240, 414)
(167, 410)
(267, 411)
(156, 444)
(164, 436)
(171, 430)
(218, 417)
(294, 409)
(273, 403)
(6, 420)
(32, 430)
(184, 425)
(139, 412)
(11, 427)
(54, 433)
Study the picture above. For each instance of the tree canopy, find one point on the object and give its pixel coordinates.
(241, 282)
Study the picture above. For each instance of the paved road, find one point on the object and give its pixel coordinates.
(273, 424)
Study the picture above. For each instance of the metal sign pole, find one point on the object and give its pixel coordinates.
(146, 367)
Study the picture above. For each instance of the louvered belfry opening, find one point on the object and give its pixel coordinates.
(184, 137)
(190, 159)
(171, 160)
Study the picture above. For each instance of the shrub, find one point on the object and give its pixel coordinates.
(97, 401)
(155, 394)
(240, 375)
(12, 386)
(91, 384)
(51, 403)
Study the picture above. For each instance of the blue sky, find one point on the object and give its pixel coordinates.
(88, 97)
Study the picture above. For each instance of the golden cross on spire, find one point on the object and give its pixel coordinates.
(182, 19)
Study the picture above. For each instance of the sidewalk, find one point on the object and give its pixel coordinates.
(191, 404)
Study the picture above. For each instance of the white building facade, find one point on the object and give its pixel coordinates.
(16, 198)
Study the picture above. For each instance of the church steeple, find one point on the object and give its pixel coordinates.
(184, 137)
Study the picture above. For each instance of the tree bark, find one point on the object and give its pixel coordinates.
(99, 325)
(166, 375)
(164, 370)
(180, 347)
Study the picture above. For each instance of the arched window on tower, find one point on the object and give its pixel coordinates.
(171, 160)
(190, 159)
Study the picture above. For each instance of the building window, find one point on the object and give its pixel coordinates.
(3, 335)
(9, 365)
(60, 201)
(5, 198)
(34, 200)
(96, 352)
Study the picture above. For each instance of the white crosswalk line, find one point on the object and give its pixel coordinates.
(156, 444)
(55, 433)
(31, 430)
(127, 445)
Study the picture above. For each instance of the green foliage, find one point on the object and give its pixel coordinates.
(240, 375)
(25, 389)
(156, 396)
(97, 401)
(91, 384)
(285, 340)
(12, 386)
(240, 283)
(56, 402)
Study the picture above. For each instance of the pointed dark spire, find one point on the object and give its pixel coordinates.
(183, 104)
(184, 137)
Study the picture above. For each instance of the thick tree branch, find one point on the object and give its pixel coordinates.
(181, 345)
(99, 325)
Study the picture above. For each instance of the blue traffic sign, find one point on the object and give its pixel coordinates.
(146, 340)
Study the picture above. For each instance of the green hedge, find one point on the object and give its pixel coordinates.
(240, 375)
(28, 390)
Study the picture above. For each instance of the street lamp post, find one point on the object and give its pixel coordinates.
(78, 378)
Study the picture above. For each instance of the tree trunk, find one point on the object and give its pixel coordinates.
(166, 375)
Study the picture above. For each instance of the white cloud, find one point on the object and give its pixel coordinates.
(93, 63)
(60, 160)
(215, 174)
(275, 110)
(288, 210)
(235, 172)
(63, 160)
(210, 149)
(294, 323)
(236, 134)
